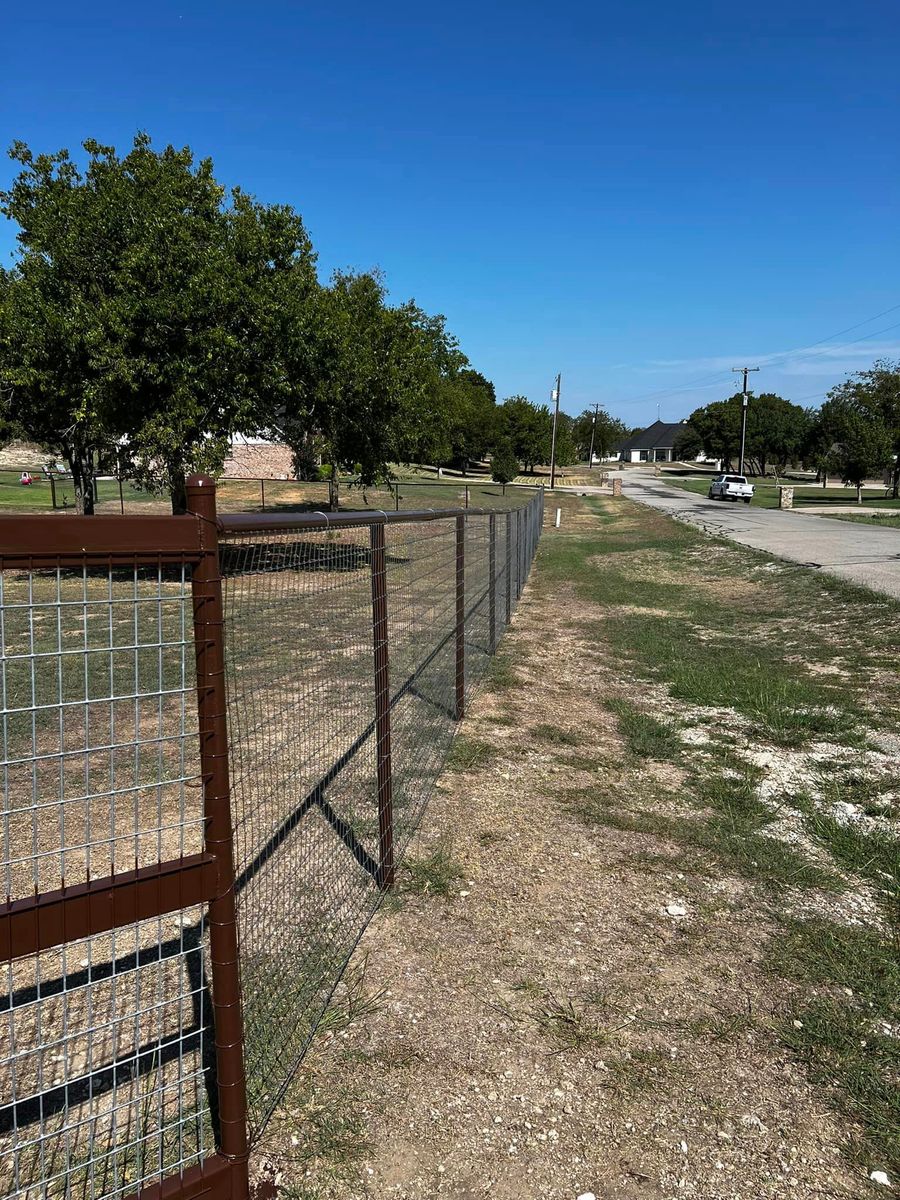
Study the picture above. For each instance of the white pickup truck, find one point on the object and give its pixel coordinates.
(731, 487)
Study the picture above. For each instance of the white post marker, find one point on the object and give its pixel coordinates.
(558, 516)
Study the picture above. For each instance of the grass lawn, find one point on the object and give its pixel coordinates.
(766, 494)
(279, 495)
(37, 497)
(772, 671)
(885, 520)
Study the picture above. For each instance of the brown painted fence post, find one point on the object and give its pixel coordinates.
(492, 577)
(518, 553)
(460, 617)
(209, 638)
(508, 566)
(382, 708)
(262, 493)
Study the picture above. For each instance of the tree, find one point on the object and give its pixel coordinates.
(504, 465)
(144, 311)
(819, 445)
(566, 449)
(528, 428)
(865, 450)
(607, 431)
(776, 431)
(366, 379)
(875, 395)
(717, 426)
(688, 443)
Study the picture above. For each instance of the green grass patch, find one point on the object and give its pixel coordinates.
(569, 1027)
(645, 736)
(738, 638)
(641, 1070)
(468, 753)
(734, 831)
(849, 981)
(434, 874)
(556, 736)
(500, 674)
(885, 520)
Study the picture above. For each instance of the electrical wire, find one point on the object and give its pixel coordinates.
(797, 355)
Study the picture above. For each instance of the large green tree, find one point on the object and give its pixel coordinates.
(849, 440)
(146, 310)
(367, 380)
(527, 428)
(875, 395)
(471, 415)
(865, 449)
(607, 431)
(776, 431)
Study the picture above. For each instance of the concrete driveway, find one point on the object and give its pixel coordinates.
(863, 554)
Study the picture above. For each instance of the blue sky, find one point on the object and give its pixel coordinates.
(637, 195)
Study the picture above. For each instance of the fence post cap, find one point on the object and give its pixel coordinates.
(200, 481)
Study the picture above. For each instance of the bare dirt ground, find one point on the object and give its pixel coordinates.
(583, 1012)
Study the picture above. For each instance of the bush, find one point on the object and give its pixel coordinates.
(504, 465)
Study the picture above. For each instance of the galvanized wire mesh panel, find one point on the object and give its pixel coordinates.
(103, 1039)
(312, 750)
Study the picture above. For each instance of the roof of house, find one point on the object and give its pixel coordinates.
(660, 435)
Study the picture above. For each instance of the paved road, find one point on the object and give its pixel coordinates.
(863, 554)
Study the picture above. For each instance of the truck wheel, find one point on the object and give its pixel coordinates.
(746, 499)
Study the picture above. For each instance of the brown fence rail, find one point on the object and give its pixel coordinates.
(341, 649)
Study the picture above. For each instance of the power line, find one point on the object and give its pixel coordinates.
(701, 381)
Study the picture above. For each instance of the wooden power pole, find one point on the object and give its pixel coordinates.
(745, 401)
(553, 439)
(593, 431)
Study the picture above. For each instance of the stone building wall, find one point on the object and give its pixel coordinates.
(268, 460)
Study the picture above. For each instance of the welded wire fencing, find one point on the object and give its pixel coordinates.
(342, 649)
(354, 642)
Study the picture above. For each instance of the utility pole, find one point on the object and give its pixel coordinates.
(593, 431)
(745, 401)
(553, 440)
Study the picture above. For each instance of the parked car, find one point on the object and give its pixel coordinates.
(731, 487)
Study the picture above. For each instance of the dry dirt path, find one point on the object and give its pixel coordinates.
(581, 1014)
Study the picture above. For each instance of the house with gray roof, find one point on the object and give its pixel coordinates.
(656, 443)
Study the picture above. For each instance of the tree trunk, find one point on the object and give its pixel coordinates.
(81, 464)
(895, 481)
(859, 493)
(177, 489)
(333, 497)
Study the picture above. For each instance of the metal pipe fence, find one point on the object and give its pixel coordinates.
(218, 735)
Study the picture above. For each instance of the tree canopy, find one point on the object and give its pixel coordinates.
(777, 431)
(607, 431)
(874, 395)
(146, 310)
(151, 316)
